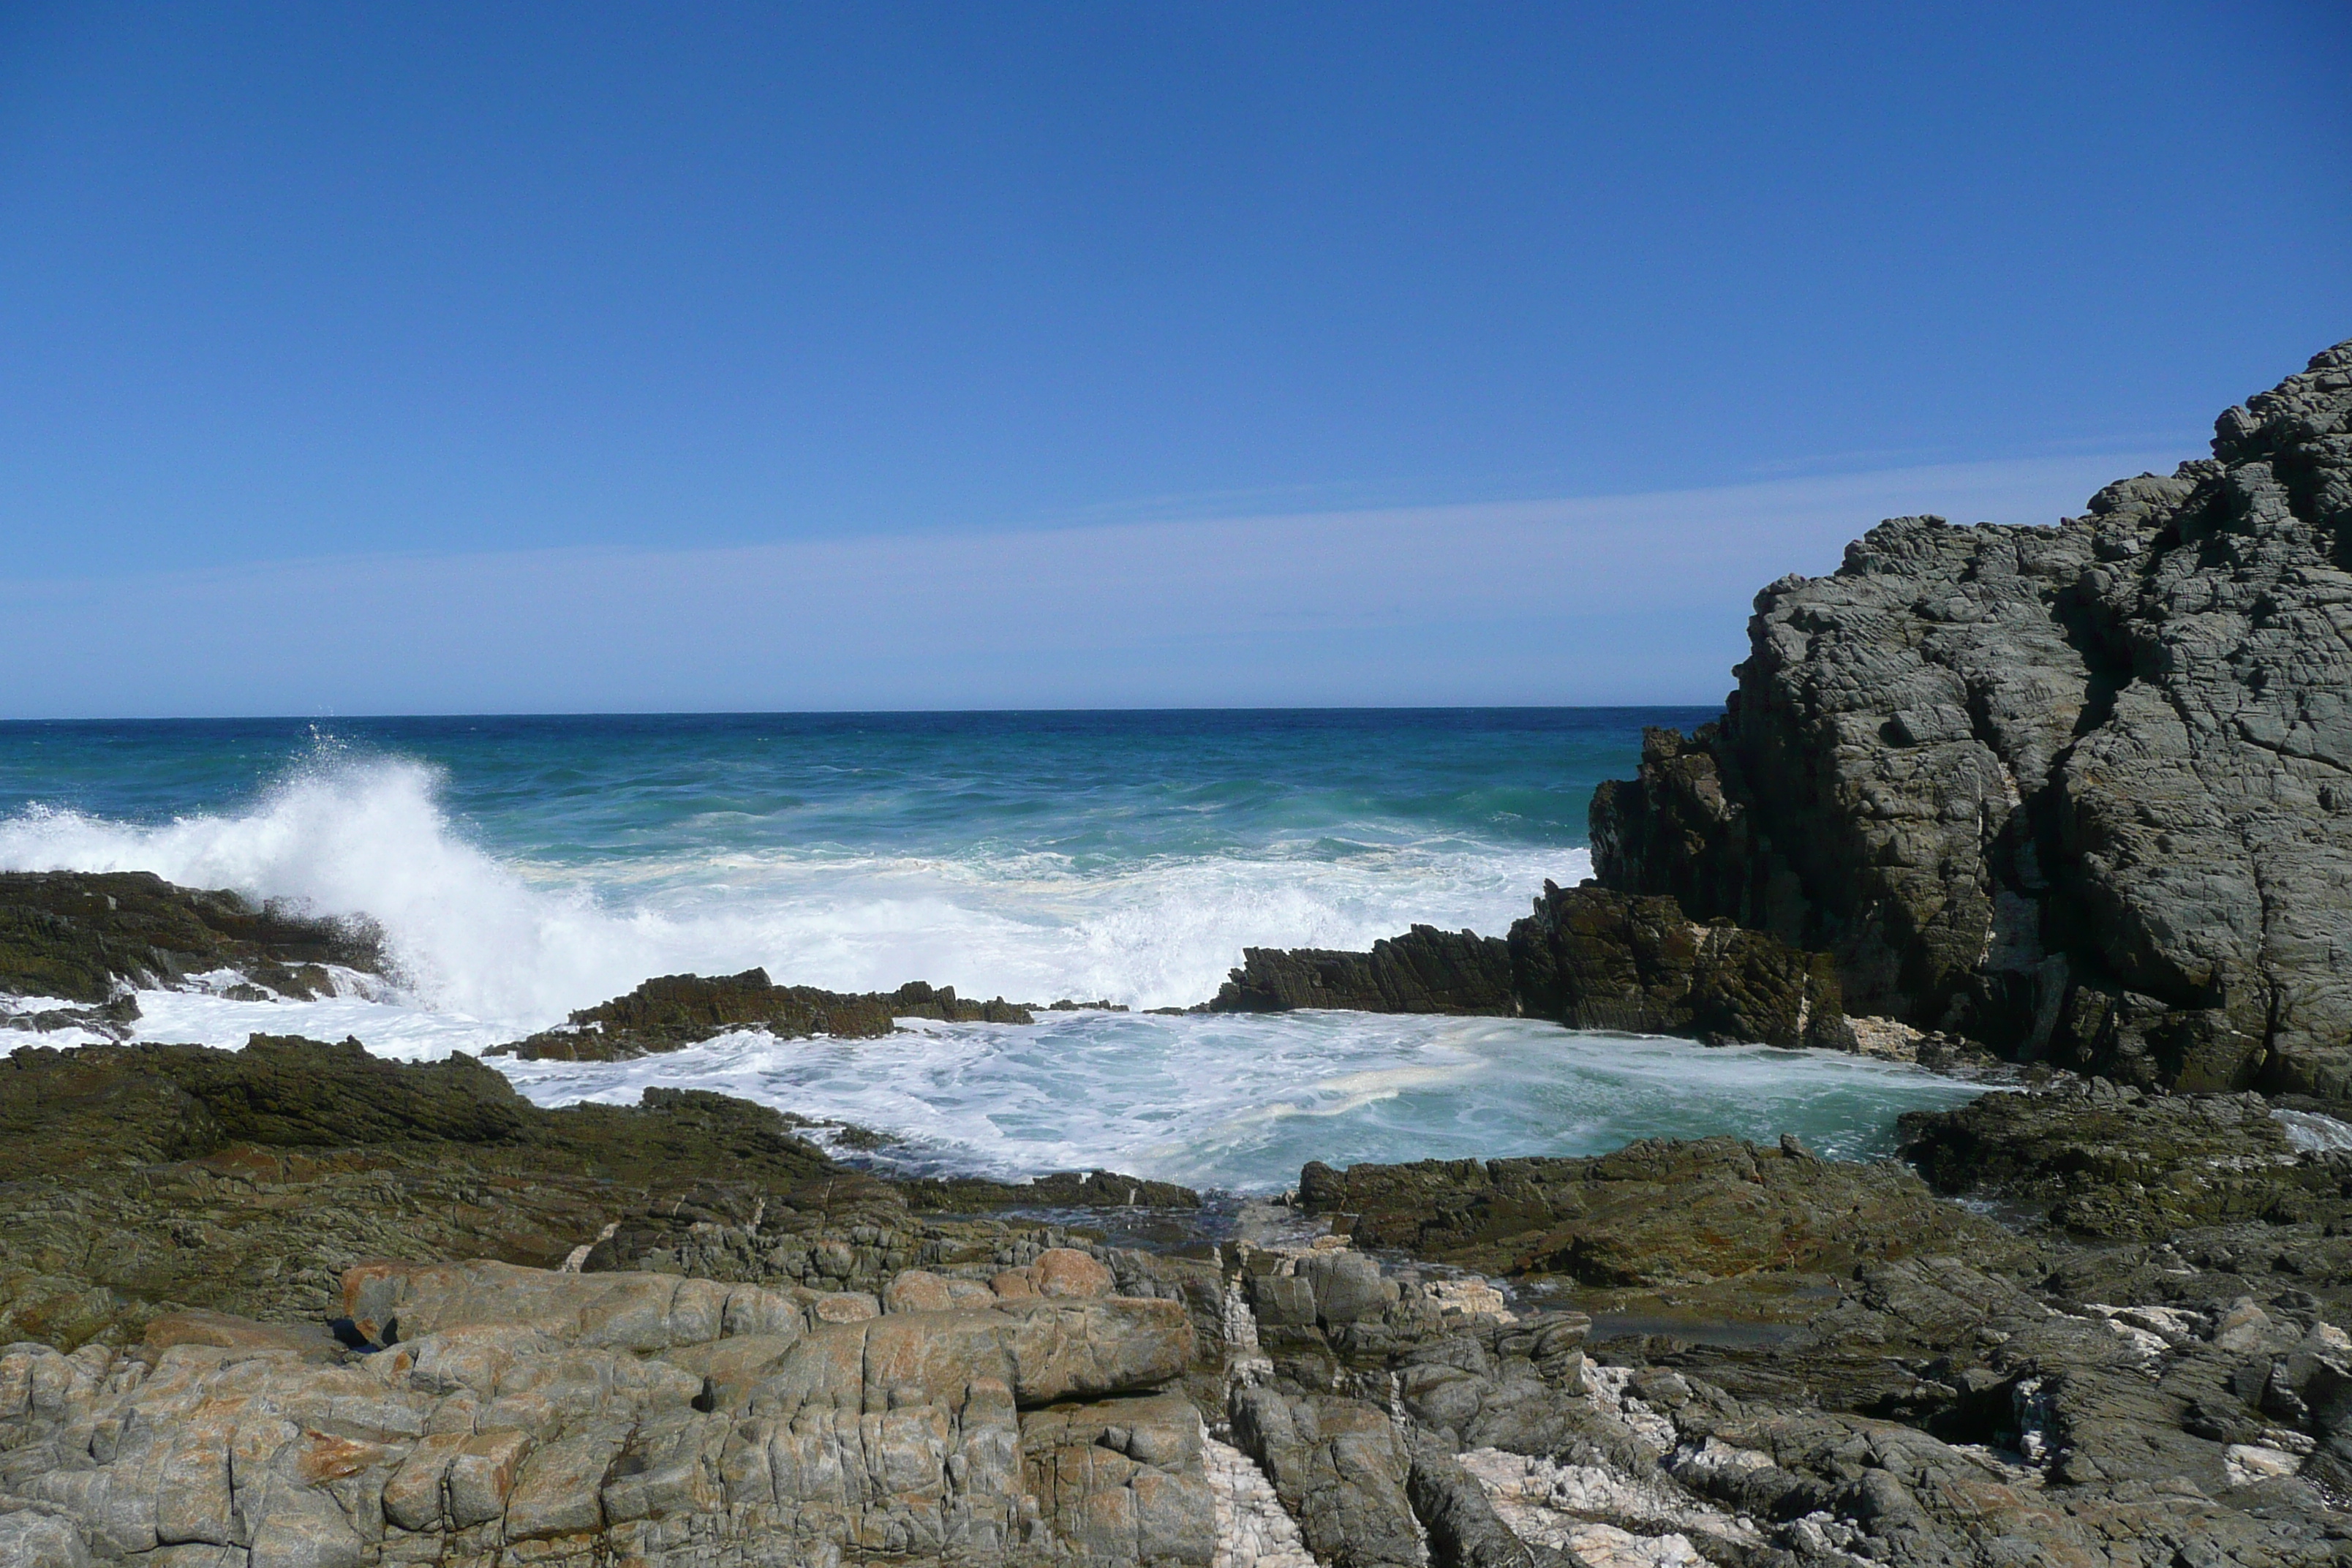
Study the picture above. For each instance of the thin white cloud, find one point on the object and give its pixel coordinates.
(1628, 599)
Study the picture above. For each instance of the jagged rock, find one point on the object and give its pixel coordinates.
(1588, 958)
(674, 1011)
(2078, 791)
(1597, 960)
(83, 936)
(1425, 971)
(1340, 1468)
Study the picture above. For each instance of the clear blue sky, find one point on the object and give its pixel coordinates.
(302, 300)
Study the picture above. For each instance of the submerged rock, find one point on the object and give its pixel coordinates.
(2079, 792)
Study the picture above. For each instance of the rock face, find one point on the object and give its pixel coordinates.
(2083, 792)
(520, 1416)
(673, 1011)
(1587, 957)
(82, 937)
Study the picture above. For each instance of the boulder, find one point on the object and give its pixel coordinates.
(1341, 1468)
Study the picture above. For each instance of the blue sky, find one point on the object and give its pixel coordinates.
(485, 357)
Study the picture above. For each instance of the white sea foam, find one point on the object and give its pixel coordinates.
(1243, 1101)
(492, 946)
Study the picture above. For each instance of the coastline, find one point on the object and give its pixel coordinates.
(2062, 798)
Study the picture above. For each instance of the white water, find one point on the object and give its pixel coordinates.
(515, 945)
(1243, 1102)
(490, 947)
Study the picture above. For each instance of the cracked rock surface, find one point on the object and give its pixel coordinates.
(2083, 792)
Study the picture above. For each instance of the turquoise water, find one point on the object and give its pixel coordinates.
(521, 868)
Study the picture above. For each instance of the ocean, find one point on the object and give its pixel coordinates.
(521, 868)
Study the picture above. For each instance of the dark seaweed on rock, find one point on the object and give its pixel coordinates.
(671, 1012)
(1062, 1189)
(2110, 1162)
(2081, 791)
(1654, 1212)
(82, 936)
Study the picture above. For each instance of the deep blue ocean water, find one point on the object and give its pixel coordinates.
(523, 867)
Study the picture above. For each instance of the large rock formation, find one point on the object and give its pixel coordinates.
(2083, 792)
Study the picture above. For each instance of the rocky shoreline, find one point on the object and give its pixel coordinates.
(2073, 800)
(2124, 1346)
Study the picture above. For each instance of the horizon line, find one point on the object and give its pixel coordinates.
(318, 719)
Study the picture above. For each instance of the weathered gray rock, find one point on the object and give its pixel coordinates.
(1594, 959)
(547, 1416)
(1341, 1468)
(2083, 792)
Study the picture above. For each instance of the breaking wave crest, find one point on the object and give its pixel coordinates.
(521, 940)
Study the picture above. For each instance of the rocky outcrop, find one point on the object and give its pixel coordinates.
(513, 1414)
(1596, 960)
(139, 1181)
(1425, 971)
(674, 1011)
(2111, 1162)
(87, 937)
(1896, 1381)
(1656, 1212)
(1587, 957)
(1712, 1353)
(2081, 791)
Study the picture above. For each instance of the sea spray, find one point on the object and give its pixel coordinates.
(523, 938)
